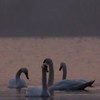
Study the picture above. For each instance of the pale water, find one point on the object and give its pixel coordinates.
(81, 55)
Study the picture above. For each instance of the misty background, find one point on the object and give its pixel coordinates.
(49, 17)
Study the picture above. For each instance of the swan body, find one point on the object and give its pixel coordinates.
(37, 91)
(18, 82)
(33, 91)
(67, 85)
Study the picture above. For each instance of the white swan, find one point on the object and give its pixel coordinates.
(66, 85)
(40, 92)
(64, 68)
(17, 82)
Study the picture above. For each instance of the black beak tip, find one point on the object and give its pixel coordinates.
(60, 69)
(47, 71)
(28, 78)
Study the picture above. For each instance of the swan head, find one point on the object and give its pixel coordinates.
(25, 71)
(45, 67)
(48, 61)
(62, 65)
(60, 68)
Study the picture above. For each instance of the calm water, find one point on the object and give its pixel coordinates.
(13, 94)
(82, 57)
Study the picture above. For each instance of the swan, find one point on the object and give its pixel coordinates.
(64, 68)
(18, 82)
(67, 85)
(40, 92)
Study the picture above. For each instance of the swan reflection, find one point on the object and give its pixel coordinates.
(39, 98)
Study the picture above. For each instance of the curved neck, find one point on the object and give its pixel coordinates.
(44, 79)
(51, 75)
(18, 75)
(64, 72)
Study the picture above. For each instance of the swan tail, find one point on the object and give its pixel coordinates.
(88, 84)
(91, 85)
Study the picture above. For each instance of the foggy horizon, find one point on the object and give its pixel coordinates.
(49, 18)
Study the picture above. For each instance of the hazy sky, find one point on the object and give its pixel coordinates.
(49, 17)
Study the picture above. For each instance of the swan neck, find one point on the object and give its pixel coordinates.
(18, 75)
(64, 72)
(51, 75)
(44, 80)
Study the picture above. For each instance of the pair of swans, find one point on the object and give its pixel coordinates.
(64, 85)
(40, 91)
(44, 91)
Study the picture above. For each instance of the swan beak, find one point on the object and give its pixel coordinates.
(27, 75)
(47, 70)
(60, 68)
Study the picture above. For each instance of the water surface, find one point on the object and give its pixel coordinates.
(81, 55)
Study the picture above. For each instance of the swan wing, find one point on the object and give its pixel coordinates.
(64, 85)
(20, 84)
(70, 85)
(33, 91)
(12, 83)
